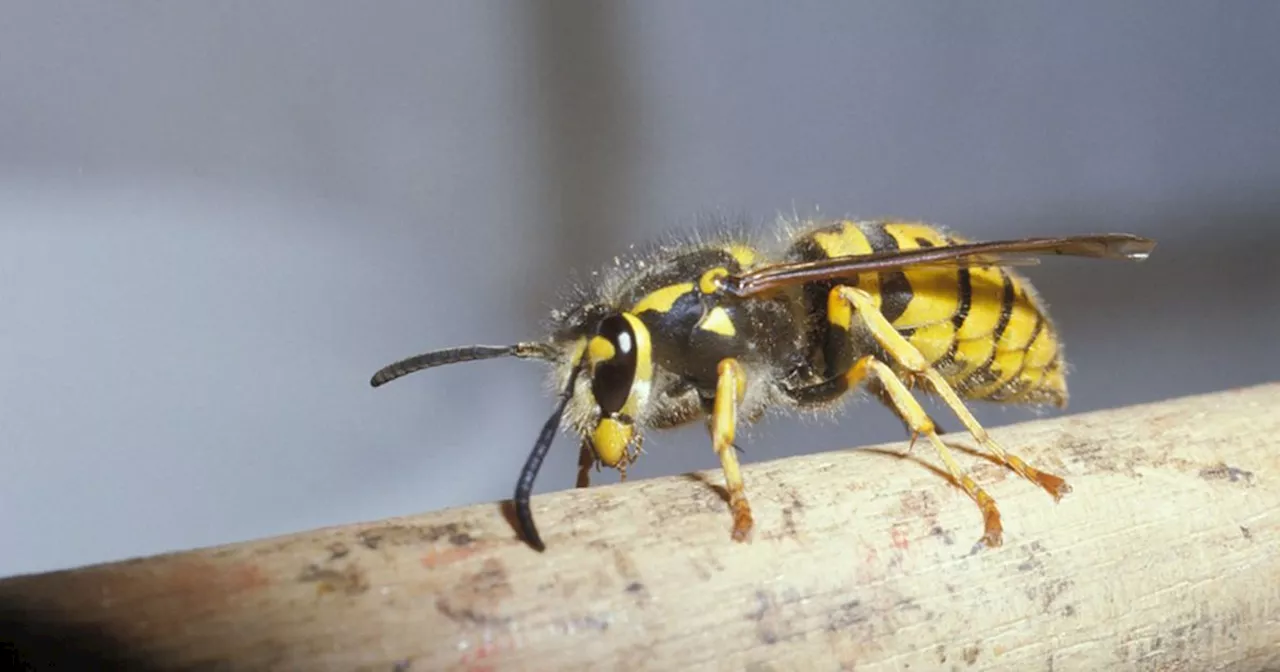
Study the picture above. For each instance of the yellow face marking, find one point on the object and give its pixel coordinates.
(661, 300)
(718, 321)
(644, 361)
(745, 256)
(644, 367)
(599, 349)
(709, 283)
(611, 437)
(610, 440)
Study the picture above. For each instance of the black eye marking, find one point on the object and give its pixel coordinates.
(611, 383)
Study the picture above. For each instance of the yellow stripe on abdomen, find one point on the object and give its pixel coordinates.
(934, 293)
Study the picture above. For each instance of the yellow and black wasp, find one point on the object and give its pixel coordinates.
(721, 330)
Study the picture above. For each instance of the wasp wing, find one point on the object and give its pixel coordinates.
(995, 253)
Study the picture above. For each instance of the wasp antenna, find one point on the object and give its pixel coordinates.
(470, 353)
(524, 486)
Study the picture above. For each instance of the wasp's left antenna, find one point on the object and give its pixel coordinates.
(470, 353)
(524, 486)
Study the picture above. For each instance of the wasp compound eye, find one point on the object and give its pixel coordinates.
(611, 381)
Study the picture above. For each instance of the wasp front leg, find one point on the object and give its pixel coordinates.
(731, 386)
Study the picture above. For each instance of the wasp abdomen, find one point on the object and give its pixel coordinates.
(981, 327)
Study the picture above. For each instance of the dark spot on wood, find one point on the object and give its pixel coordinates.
(1098, 457)
(971, 654)
(350, 581)
(773, 622)
(472, 600)
(635, 587)
(846, 615)
(411, 535)
(1223, 472)
(588, 623)
(1052, 590)
(1032, 561)
(462, 614)
(1245, 531)
(789, 526)
(1069, 610)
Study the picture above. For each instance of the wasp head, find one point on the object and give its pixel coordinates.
(614, 353)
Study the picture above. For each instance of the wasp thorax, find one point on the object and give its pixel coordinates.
(620, 372)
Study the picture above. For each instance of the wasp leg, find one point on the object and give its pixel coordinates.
(586, 460)
(877, 390)
(910, 358)
(919, 423)
(731, 385)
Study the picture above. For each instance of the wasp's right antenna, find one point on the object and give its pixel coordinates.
(524, 486)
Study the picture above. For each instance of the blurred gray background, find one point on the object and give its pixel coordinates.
(218, 219)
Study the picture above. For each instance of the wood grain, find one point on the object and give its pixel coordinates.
(1165, 557)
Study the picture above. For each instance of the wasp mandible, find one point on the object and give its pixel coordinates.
(722, 329)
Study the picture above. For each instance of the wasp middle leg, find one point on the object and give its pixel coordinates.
(906, 355)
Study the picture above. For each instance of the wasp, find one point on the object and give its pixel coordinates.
(724, 329)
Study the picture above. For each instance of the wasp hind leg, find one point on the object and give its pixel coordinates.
(731, 385)
(910, 358)
(877, 390)
(894, 392)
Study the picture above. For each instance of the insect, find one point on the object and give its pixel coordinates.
(723, 330)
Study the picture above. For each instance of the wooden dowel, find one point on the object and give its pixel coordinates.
(1165, 556)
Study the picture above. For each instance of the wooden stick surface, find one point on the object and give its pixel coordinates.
(1166, 556)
